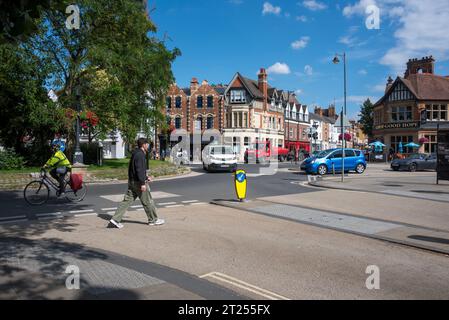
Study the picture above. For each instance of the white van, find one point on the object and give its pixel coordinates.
(219, 157)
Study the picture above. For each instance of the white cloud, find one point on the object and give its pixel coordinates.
(299, 92)
(422, 29)
(301, 18)
(308, 70)
(363, 72)
(301, 43)
(268, 8)
(379, 88)
(314, 5)
(279, 68)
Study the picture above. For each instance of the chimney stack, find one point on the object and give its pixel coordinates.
(263, 86)
(389, 84)
(424, 65)
(194, 85)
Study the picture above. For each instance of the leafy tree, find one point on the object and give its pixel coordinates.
(367, 117)
(113, 65)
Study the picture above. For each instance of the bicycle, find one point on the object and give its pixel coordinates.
(37, 192)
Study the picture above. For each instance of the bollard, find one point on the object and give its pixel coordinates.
(240, 181)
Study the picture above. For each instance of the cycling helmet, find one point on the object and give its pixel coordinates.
(59, 144)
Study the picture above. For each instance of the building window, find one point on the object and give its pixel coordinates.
(436, 112)
(246, 141)
(199, 123)
(178, 102)
(168, 102)
(245, 120)
(210, 122)
(178, 122)
(396, 141)
(240, 119)
(238, 96)
(291, 133)
(199, 102)
(210, 101)
(431, 145)
(399, 114)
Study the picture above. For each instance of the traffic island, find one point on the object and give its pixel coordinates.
(431, 239)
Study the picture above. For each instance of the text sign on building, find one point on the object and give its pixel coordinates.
(397, 125)
(443, 154)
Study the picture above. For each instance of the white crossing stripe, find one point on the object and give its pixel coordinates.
(81, 211)
(13, 221)
(166, 203)
(48, 214)
(108, 209)
(86, 214)
(198, 204)
(155, 195)
(244, 285)
(15, 217)
(139, 206)
(50, 217)
(175, 206)
(189, 201)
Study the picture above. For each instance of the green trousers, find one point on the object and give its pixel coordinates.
(131, 195)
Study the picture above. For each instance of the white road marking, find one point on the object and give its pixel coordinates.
(189, 201)
(139, 206)
(81, 211)
(15, 217)
(199, 204)
(108, 209)
(175, 206)
(154, 194)
(50, 217)
(244, 285)
(166, 203)
(48, 214)
(86, 214)
(13, 221)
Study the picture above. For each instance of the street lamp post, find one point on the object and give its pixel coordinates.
(78, 154)
(336, 60)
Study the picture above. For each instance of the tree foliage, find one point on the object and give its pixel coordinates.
(114, 65)
(367, 117)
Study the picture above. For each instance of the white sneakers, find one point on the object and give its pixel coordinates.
(158, 222)
(116, 224)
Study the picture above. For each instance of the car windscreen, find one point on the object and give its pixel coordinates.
(415, 156)
(221, 150)
(324, 154)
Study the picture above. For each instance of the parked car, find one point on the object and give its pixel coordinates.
(332, 161)
(415, 162)
(219, 158)
(261, 152)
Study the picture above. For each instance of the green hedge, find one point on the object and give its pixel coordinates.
(9, 160)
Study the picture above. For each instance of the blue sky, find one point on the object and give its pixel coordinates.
(296, 41)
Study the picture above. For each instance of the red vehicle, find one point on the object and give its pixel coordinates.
(262, 152)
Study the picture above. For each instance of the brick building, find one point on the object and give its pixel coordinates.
(296, 123)
(198, 107)
(397, 115)
(253, 114)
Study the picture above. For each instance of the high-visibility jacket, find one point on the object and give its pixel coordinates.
(58, 160)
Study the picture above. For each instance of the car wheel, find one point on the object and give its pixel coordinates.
(395, 168)
(412, 167)
(322, 170)
(360, 168)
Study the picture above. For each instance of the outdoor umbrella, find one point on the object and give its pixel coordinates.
(400, 148)
(412, 145)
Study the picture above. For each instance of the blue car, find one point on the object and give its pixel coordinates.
(329, 161)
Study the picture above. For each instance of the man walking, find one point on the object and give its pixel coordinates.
(137, 187)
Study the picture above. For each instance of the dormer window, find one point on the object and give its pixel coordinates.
(238, 96)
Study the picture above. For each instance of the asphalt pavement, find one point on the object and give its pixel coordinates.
(195, 189)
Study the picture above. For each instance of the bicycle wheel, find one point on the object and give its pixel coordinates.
(36, 193)
(76, 196)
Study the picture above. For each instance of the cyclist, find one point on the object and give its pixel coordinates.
(58, 164)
